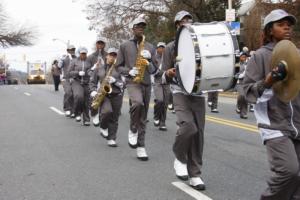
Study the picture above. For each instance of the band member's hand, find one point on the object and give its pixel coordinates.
(171, 72)
(279, 72)
(146, 54)
(81, 73)
(111, 79)
(93, 94)
(133, 72)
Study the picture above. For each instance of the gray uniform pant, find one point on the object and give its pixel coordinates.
(139, 96)
(109, 114)
(284, 158)
(161, 93)
(68, 96)
(242, 105)
(188, 146)
(213, 98)
(81, 100)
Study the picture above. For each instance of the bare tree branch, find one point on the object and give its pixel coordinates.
(11, 36)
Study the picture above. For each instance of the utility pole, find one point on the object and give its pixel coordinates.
(230, 13)
(229, 4)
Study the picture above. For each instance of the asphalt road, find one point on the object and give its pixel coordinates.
(46, 156)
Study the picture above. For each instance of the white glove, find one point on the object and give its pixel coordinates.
(111, 80)
(146, 54)
(93, 94)
(81, 73)
(133, 72)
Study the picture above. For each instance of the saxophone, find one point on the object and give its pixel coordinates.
(105, 88)
(140, 63)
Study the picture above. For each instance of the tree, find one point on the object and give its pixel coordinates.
(9, 36)
(111, 18)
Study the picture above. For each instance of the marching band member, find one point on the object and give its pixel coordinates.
(79, 72)
(110, 107)
(190, 112)
(64, 64)
(131, 65)
(278, 122)
(161, 91)
(97, 59)
(242, 104)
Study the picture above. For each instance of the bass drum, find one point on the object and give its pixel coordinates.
(205, 57)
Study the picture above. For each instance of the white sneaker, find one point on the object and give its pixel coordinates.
(132, 139)
(111, 143)
(156, 122)
(209, 103)
(78, 118)
(197, 183)
(104, 132)
(141, 153)
(68, 113)
(86, 123)
(180, 170)
(95, 120)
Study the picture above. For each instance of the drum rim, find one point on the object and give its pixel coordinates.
(196, 48)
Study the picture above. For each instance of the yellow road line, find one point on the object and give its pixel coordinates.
(222, 121)
(233, 125)
(233, 122)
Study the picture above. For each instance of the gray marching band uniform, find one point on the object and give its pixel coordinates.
(64, 64)
(139, 94)
(190, 113)
(279, 126)
(242, 103)
(98, 55)
(80, 87)
(161, 94)
(111, 107)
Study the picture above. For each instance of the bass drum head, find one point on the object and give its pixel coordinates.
(187, 62)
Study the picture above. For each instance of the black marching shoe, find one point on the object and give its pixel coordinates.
(162, 128)
(244, 117)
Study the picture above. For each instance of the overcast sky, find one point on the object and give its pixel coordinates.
(54, 19)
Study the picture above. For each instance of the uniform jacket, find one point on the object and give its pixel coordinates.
(127, 57)
(274, 117)
(64, 64)
(79, 65)
(94, 57)
(100, 73)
